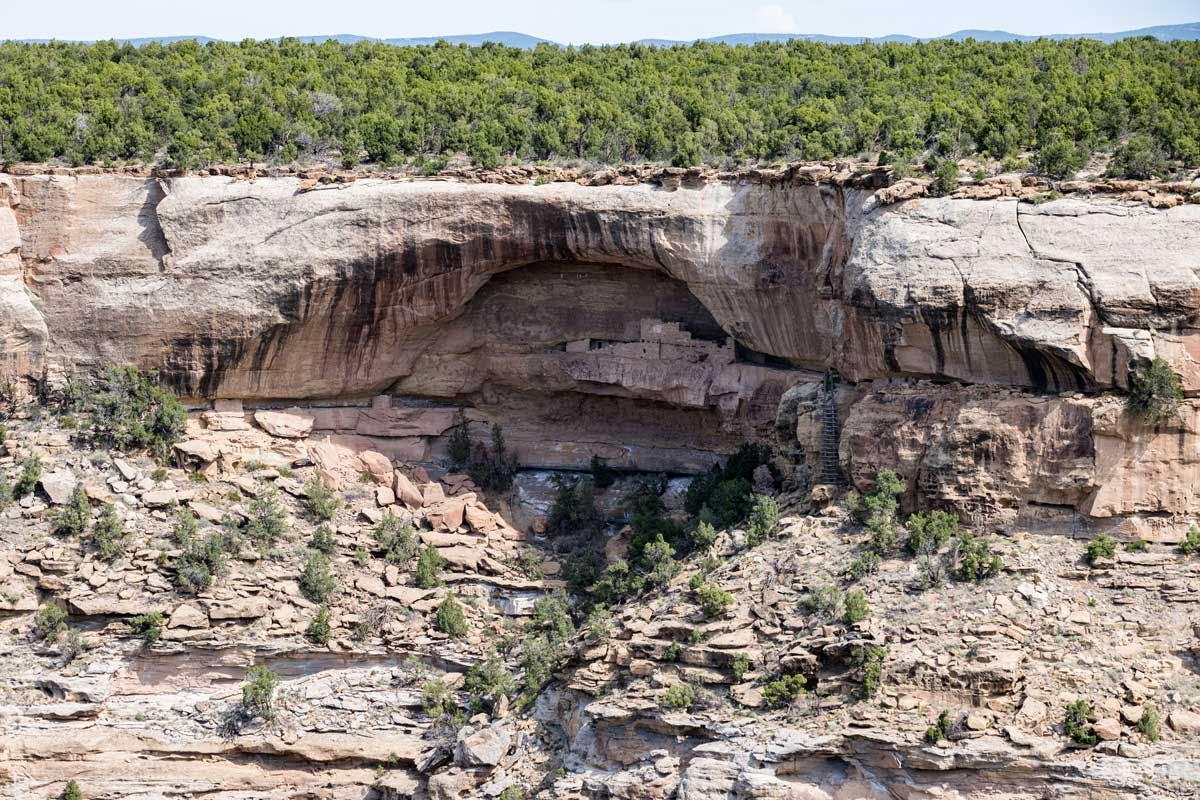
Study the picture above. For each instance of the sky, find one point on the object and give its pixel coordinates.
(568, 21)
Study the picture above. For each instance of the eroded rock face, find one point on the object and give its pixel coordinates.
(655, 326)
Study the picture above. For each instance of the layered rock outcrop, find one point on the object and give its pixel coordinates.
(657, 326)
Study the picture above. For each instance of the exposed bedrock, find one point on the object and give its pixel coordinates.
(656, 327)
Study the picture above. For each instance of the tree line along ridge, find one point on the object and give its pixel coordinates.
(187, 104)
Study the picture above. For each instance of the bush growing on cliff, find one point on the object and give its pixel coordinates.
(1077, 723)
(31, 473)
(450, 618)
(148, 626)
(764, 516)
(266, 521)
(603, 476)
(429, 568)
(722, 496)
(322, 540)
(73, 518)
(319, 629)
(129, 411)
(869, 660)
(486, 682)
(320, 499)
(784, 691)
(1103, 546)
(493, 468)
(201, 562)
(108, 534)
(975, 559)
(945, 178)
(1191, 541)
(71, 792)
(877, 511)
(935, 733)
(1155, 391)
(317, 581)
(679, 696)
(574, 511)
(49, 622)
(397, 539)
(458, 444)
(258, 693)
(856, 607)
(927, 533)
(713, 600)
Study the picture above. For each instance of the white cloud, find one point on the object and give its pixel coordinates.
(773, 19)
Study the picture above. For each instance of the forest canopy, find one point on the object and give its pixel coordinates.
(188, 105)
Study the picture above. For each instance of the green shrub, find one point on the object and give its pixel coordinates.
(451, 619)
(864, 565)
(680, 695)
(552, 617)
(108, 534)
(878, 510)
(1150, 724)
(740, 666)
(856, 607)
(714, 600)
(73, 518)
(512, 792)
(784, 691)
(869, 660)
(258, 693)
(599, 624)
(322, 540)
(317, 581)
(1155, 391)
(703, 536)
(945, 178)
(1136, 546)
(976, 561)
(764, 516)
(603, 476)
(458, 444)
(31, 473)
(398, 540)
(486, 682)
(1104, 546)
(71, 792)
(49, 622)
(493, 468)
(200, 563)
(437, 700)
(824, 600)
(6, 492)
(129, 411)
(319, 629)
(540, 657)
(184, 528)
(266, 521)
(1078, 725)
(659, 566)
(148, 626)
(429, 568)
(1139, 158)
(935, 733)
(1191, 541)
(722, 496)
(928, 532)
(320, 499)
(1058, 156)
(574, 510)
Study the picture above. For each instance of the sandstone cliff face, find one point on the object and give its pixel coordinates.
(657, 327)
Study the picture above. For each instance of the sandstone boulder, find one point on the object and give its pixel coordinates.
(290, 424)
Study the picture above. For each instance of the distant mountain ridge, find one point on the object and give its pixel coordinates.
(1189, 31)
